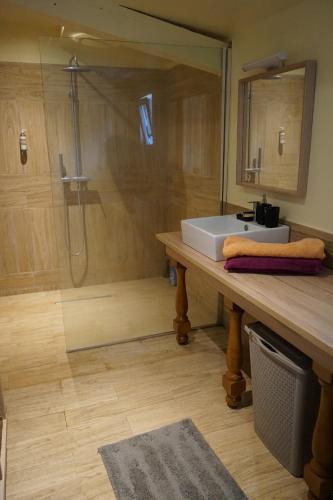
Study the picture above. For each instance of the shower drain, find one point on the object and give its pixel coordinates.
(80, 299)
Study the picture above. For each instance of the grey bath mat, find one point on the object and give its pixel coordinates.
(171, 463)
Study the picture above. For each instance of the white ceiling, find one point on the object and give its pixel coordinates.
(13, 13)
(221, 18)
(41, 23)
(213, 17)
(108, 20)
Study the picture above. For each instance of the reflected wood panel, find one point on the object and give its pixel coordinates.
(274, 126)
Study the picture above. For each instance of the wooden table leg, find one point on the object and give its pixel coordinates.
(233, 380)
(318, 473)
(181, 323)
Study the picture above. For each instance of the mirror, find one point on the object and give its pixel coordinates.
(274, 128)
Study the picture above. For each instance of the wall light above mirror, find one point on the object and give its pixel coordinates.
(275, 111)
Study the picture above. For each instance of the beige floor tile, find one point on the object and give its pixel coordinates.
(62, 407)
(87, 461)
(84, 362)
(97, 487)
(43, 450)
(155, 416)
(91, 473)
(41, 374)
(55, 481)
(78, 417)
(87, 389)
(32, 355)
(34, 401)
(101, 431)
(24, 431)
(218, 415)
(256, 461)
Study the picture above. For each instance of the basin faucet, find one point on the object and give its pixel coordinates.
(255, 203)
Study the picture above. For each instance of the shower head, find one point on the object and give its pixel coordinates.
(74, 67)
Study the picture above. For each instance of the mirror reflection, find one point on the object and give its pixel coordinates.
(275, 107)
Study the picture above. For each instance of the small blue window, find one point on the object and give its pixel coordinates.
(146, 119)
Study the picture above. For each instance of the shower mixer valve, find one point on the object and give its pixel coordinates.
(63, 171)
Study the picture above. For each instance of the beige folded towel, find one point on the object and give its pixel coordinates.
(308, 248)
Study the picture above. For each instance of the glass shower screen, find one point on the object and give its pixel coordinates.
(134, 139)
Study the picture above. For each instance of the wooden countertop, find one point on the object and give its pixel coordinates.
(299, 308)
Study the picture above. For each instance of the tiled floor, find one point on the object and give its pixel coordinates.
(104, 314)
(61, 408)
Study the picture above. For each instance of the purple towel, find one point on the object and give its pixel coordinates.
(273, 265)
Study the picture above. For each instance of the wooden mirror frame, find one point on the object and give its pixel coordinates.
(306, 127)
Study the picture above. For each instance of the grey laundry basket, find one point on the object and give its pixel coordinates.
(285, 397)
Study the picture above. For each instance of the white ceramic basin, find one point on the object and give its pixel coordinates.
(207, 234)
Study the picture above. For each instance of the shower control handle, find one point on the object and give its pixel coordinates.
(63, 172)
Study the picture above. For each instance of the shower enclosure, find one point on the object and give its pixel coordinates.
(134, 139)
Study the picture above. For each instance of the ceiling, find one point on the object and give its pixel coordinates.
(12, 13)
(220, 18)
(41, 23)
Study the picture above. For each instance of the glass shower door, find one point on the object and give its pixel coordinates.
(134, 148)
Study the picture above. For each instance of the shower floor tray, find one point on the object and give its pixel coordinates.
(111, 313)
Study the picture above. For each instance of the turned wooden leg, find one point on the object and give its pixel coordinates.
(318, 473)
(233, 380)
(181, 323)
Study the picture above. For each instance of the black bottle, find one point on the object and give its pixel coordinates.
(272, 216)
(261, 212)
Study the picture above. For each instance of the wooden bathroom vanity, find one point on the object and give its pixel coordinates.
(298, 308)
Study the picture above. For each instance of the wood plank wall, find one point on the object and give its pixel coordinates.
(28, 257)
(193, 135)
(136, 190)
(125, 200)
(193, 141)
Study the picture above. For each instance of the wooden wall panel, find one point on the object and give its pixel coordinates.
(28, 260)
(193, 133)
(124, 202)
(136, 190)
